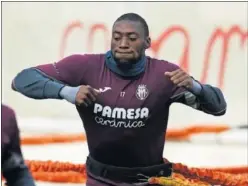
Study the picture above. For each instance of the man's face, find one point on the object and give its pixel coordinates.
(128, 41)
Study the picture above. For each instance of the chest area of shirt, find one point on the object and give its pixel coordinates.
(138, 93)
(127, 103)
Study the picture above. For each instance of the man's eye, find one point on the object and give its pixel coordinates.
(133, 38)
(117, 38)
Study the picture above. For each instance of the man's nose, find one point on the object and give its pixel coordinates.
(124, 43)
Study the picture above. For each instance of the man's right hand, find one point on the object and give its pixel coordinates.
(86, 95)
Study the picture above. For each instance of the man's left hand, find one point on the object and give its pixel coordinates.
(180, 78)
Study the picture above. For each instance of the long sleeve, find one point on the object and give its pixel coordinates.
(212, 101)
(33, 83)
(46, 81)
(209, 99)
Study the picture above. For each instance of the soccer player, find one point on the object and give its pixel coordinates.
(14, 170)
(123, 98)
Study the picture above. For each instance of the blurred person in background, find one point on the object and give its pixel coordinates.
(123, 98)
(14, 169)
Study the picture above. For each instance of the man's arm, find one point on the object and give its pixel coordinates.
(209, 99)
(59, 80)
(14, 168)
(190, 92)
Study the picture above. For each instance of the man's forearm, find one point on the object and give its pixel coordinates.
(202, 97)
(35, 84)
(211, 100)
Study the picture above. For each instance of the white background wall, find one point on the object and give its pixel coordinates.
(33, 33)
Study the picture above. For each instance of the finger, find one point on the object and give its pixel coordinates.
(184, 83)
(92, 94)
(179, 78)
(81, 102)
(172, 73)
(88, 100)
(95, 92)
(84, 99)
(178, 75)
(167, 74)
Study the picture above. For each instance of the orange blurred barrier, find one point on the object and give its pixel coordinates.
(65, 172)
(182, 175)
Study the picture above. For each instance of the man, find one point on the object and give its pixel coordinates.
(14, 169)
(123, 98)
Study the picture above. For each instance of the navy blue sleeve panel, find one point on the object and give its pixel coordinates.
(210, 100)
(35, 84)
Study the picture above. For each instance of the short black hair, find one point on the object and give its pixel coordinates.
(134, 17)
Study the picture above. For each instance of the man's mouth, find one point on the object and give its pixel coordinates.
(120, 52)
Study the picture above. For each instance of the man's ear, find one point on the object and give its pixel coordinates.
(147, 42)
